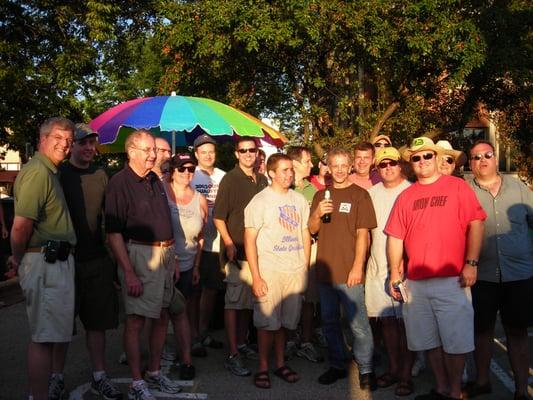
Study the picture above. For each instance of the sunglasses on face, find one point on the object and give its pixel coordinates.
(488, 155)
(449, 160)
(427, 156)
(380, 144)
(252, 150)
(188, 169)
(385, 164)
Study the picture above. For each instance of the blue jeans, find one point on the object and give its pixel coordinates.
(353, 302)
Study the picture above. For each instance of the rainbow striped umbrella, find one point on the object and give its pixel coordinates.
(180, 119)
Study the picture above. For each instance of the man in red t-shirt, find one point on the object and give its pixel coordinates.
(438, 222)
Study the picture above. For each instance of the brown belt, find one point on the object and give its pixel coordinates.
(164, 243)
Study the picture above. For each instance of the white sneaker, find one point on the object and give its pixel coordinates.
(140, 392)
(161, 383)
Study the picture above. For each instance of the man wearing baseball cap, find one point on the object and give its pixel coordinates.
(438, 223)
(206, 180)
(379, 303)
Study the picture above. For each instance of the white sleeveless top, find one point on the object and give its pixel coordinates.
(187, 223)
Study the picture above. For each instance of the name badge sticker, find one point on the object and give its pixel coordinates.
(345, 207)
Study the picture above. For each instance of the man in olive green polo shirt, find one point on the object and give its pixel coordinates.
(41, 238)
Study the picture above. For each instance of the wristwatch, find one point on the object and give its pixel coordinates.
(473, 263)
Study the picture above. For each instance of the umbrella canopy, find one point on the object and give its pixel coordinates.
(180, 119)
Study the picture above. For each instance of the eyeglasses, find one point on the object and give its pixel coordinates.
(161, 150)
(381, 144)
(188, 169)
(252, 150)
(449, 160)
(147, 151)
(488, 155)
(427, 156)
(385, 164)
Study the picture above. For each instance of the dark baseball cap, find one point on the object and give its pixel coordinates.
(203, 139)
(181, 159)
(83, 131)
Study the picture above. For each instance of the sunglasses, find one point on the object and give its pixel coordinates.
(188, 169)
(427, 156)
(488, 155)
(385, 164)
(449, 160)
(252, 150)
(379, 144)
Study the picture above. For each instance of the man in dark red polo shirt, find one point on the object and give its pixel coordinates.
(139, 231)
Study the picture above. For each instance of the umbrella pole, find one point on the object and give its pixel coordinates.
(173, 142)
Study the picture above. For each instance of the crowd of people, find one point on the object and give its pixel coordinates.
(382, 249)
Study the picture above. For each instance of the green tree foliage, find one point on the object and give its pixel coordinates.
(55, 55)
(342, 68)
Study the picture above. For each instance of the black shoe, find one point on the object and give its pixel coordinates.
(187, 372)
(472, 389)
(368, 381)
(332, 375)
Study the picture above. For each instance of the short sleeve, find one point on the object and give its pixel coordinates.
(31, 191)
(221, 207)
(366, 216)
(471, 208)
(115, 212)
(254, 214)
(396, 225)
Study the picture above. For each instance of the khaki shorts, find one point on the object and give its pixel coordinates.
(438, 312)
(49, 292)
(282, 304)
(155, 267)
(238, 286)
(311, 292)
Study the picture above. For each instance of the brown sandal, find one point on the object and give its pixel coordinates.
(404, 388)
(386, 380)
(287, 374)
(262, 380)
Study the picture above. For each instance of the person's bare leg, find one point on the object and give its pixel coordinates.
(158, 334)
(243, 322)
(264, 342)
(207, 305)
(95, 341)
(406, 357)
(132, 331)
(436, 360)
(455, 364)
(391, 340)
(483, 355)
(182, 333)
(59, 356)
(518, 350)
(193, 311)
(280, 337)
(308, 314)
(39, 369)
(230, 322)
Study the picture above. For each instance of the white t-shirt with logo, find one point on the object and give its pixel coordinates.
(281, 219)
(208, 186)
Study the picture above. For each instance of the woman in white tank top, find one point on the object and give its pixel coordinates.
(189, 212)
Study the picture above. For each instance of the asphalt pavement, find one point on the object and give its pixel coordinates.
(212, 380)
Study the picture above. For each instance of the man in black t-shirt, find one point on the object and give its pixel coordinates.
(96, 297)
(235, 191)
